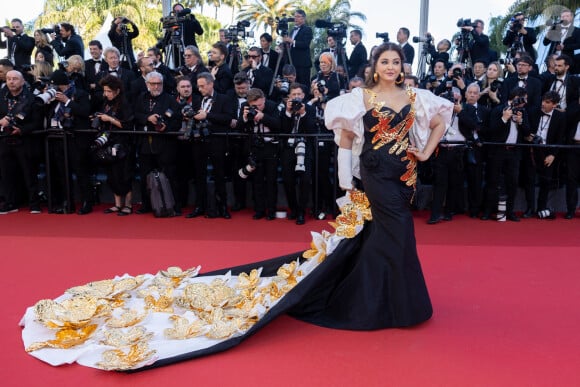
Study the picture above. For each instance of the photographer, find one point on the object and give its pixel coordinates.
(327, 81)
(508, 125)
(439, 53)
(520, 38)
(358, 56)
(116, 114)
(17, 120)
(156, 111)
(121, 34)
(269, 55)
(479, 45)
(282, 84)
(547, 127)
(403, 35)
(299, 41)
(68, 112)
(259, 75)
(214, 116)
(223, 78)
(531, 84)
(44, 51)
(190, 25)
(19, 44)
(260, 118)
(455, 78)
(66, 42)
(437, 78)
(188, 143)
(192, 66)
(296, 157)
(490, 95)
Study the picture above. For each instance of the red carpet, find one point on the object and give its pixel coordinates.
(505, 297)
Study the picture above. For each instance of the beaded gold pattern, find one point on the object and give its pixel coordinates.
(177, 305)
(395, 135)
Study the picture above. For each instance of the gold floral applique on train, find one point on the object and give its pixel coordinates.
(385, 133)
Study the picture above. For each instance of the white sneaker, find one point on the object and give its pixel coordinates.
(8, 209)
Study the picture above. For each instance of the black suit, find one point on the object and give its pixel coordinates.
(572, 95)
(19, 49)
(479, 47)
(571, 43)
(191, 27)
(272, 59)
(91, 70)
(503, 159)
(533, 87)
(473, 124)
(73, 45)
(127, 76)
(358, 58)
(224, 80)
(409, 52)
(300, 53)
(519, 41)
(124, 43)
(220, 112)
(260, 78)
(534, 157)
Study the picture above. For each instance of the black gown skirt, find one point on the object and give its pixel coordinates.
(371, 281)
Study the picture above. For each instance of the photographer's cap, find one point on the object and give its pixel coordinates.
(59, 77)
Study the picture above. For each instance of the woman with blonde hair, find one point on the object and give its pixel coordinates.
(43, 47)
(490, 94)
(75, 69)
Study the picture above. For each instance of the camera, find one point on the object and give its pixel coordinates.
(48, 96)
(237, 32)
(282, 25)
(13, 120)
(54, 30)
(465, 23)
(383, 35)
(96, 121)
(296, 105)
(320, 85)
(427, 39)
(101, 139)
(161, 119)
(537, 140)
(547, 213)
(8, 28)
(335, 29)
(495, 85)
(457, 73)
(515, 105)
(284, 85)
(174, 20)
(200, 130)
(300, 151)
(516, 25)
(252, 112)
(247, 169)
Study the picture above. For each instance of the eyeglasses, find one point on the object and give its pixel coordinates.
(253, 56)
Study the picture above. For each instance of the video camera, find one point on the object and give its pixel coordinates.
(54, 30)
(428, 39)
(174, 19)
(282, 24)
(465, 23)
(383, 35)
(237, 32)
(335, 29)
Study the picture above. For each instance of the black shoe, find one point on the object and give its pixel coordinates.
(271, 215)
(448, 217)
(300, 219)
(198, 211)
(143, 210)
(35, 209)
(259, 215)
(238, 207)
(225, 214)
(529, 213)
(513, 217)
(8, 209)
(485, 216)
(569, 215)
(434, 220)
(87, 208)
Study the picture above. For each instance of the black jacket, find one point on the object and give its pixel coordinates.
(124, 42)
(166, 107)
(19, 46)
(72, 46)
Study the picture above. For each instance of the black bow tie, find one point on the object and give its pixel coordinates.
(113, 71)
(523, 79)
(547, 114)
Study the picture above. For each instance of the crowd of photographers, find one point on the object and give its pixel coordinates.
(258, 116)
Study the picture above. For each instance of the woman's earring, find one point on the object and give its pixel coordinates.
(400, 79)
(376, 77)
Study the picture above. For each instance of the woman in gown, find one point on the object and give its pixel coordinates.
(364, 276)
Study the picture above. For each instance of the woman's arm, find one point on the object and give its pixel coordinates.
(437, 126)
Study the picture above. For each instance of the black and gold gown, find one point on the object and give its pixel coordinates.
(365, 275)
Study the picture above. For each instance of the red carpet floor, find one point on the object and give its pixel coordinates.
(505, 295)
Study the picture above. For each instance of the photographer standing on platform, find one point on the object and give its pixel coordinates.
(190, 26)
(299, 41)
(66, 42)
(520, 38)
(19, 44)
(121, 34)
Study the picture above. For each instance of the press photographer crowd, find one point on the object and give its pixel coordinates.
(169, 121)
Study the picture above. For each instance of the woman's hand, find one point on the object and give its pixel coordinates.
(419, 155)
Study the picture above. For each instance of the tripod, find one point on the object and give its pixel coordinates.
(422, 65)
(125, 49)
(234, 54)
(173, 48)
(285, 51)
(342, 53)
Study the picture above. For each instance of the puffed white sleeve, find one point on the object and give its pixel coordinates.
(344, 113)
(428, 105)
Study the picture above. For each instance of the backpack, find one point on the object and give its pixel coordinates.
(160, 194)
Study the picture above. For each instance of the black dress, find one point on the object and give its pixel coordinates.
(370, 279)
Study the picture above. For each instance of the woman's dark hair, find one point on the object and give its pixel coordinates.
(113, 83)
(370, 82)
